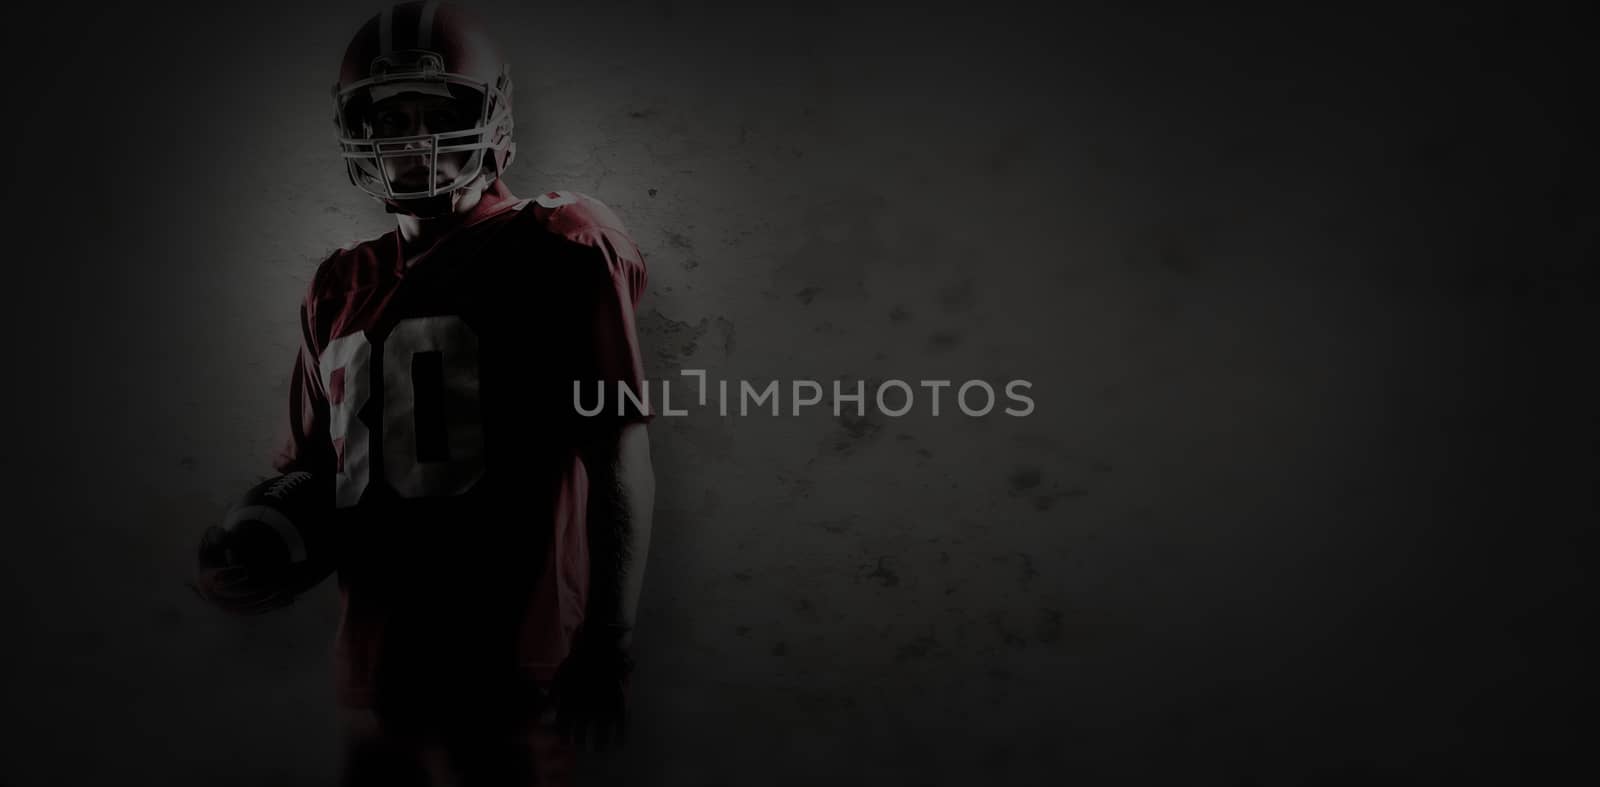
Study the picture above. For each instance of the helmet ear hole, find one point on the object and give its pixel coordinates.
(350, 117)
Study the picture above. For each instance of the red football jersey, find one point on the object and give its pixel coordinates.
(439, 395)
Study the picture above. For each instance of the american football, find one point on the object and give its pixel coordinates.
(280, 523)
(273, 545)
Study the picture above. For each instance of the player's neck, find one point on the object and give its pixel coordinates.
(418, 235)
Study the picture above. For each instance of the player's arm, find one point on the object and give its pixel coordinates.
(615, 449)
(593, 682)
(622, 488)
(228, 573)
(307, 444)
(616, 452)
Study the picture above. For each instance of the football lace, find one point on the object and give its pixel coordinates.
(286, 484)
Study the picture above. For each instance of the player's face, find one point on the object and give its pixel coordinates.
(414, 114)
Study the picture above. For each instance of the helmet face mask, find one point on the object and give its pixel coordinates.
(413, 164)
(372, 160)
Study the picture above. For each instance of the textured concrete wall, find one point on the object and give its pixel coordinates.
(1297, 331)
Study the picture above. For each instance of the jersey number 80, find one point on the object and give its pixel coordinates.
(431, 416)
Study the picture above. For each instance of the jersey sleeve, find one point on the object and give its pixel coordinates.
(304, 444)
(613, 282)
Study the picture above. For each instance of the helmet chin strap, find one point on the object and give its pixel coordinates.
(439, 205)
(425, 208)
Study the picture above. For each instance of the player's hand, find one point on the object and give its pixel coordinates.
(232, 586)
(591, 693)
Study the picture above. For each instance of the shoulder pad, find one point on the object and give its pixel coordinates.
(350, 266)
(572, 214)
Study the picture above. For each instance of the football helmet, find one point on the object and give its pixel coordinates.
(427, 50)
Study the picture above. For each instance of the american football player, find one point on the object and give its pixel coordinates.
(491, 539)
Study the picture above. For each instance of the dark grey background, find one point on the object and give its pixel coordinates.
(1305, 296)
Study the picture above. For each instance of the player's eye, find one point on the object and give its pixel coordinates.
(390, 124)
